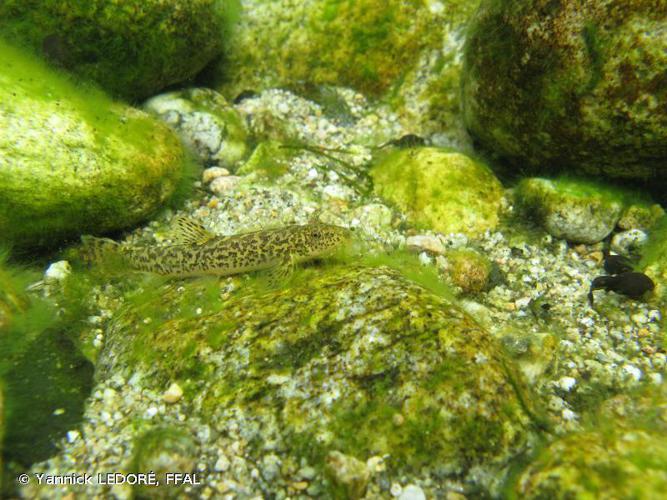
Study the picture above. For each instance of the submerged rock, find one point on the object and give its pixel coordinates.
(439, 189)
(622, 455)
(578, 211)
(132, 48)
(570, 85)
(408, 52)
(352, 360)
(206, 123)
(72, 161)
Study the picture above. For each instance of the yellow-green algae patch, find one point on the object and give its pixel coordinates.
(620, 453)
(439, 189)
(132, 48)
(347, 358)
(73, 161)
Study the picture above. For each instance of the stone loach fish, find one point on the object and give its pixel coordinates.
(199, 252)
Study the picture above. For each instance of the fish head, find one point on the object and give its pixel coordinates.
(319, 238)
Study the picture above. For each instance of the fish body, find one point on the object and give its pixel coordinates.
(630, 284)
(203, 253)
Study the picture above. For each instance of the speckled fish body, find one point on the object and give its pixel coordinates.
(218, 255)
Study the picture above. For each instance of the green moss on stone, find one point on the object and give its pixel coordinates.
(73, 161)
(578, 210)
(132, 48)
(348, 358)
(619, 454)
(439, 189)
(561, 86)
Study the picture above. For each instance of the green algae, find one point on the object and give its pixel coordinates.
(572, 67)
(132, 49)
(95, 165)
(439, 189)
(400, 394)
(618, 453)
(44, 378)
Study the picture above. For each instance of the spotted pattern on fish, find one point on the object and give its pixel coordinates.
(220, 255)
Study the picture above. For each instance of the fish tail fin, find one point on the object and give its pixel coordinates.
(98, 249)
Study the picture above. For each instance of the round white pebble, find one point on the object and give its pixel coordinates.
(173, 394)
(412, 492)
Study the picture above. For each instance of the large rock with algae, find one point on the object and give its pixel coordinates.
(620, 454)
(576, 210)
(72, 161)
(347, 360)
(552, 85)
(439, 189)
(132, 48)
(406, 52)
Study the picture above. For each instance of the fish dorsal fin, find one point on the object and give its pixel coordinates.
(189, 232)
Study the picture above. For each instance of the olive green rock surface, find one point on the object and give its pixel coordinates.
(621, 454)
(132, 48)
(439, 189)
(350, 359)
(570, 85)
(408, 53)
(576, 210)
(72, 161)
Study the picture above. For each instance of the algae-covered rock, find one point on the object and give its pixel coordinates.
(579, 211)
(439, 189)
(132, 48)
(206, 122)
(407, 52)
(468, 270)
(623, 455)
(164, 450)
(355, 360)
(72, 161)
(654, 258)
(553, 85)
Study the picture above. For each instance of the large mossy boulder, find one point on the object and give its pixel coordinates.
(132, 48)
(439, 189)
(621, 453)
(570, 85)
(346, 359)
(72, 161)
(408, 53)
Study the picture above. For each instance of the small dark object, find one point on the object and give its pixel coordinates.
(616, 264)
(406, 141)
(630, 284)
(54, 49)
(246, 94)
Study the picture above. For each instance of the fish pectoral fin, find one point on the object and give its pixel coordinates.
(187, 231)
(281, 271)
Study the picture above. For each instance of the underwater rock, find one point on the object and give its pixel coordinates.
(408, 52)
(348, 473)
(641, 216)
(163, 450)
(206, 123)
(578, 211)
(439, 189)
(654, 259)
(570, 85)
(621, 455)
(629, 242)
(468, 270)
(350, 359)
(132, 48)
(72, 161)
